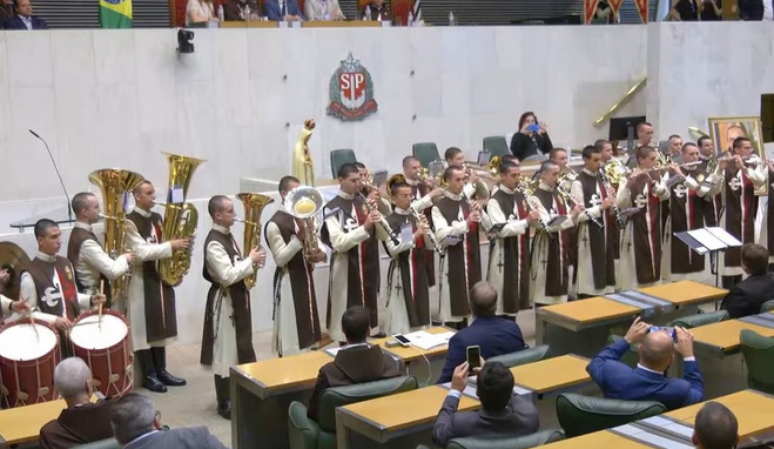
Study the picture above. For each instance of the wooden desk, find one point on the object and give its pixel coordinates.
(686, 292)
(342, 24)
(578, 315)
(390, 417)
(21, 425)
(250, 24)
(409, 355)
(597, 440)
(752, 409)
(721, 339)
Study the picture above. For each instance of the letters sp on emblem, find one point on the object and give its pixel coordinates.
(351, 91)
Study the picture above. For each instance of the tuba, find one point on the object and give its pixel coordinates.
(304, 203)
(253, 204)
(115, 184)
(180, 218)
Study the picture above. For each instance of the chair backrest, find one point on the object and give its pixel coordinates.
(426, 152)
(109, 443)
(535, 158)
(496, 146)
(521, 357)
(525, 442)
(335, 397)
(339, 158)
(700, 319)
(579, 415)
(758, 352)
(631, 357)
(767, 306)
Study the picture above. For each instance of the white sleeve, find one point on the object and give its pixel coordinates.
(383, 206)
(29, 294)
(282, 252)
(538, 206)
(485, 221)
(403, 246)
(422, 203)
(444, 229)
(95, 256)
(344, 241)
(576, 190)
(661, 190)
(84, 301)
(144, 251)
(623, 196)
(469, 190)
(757, 175)
(512, 228)
(220, 268)
(5, 305)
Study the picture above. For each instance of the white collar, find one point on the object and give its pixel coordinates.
(346, 195)
(546, 187)
(221, 229)
(142, 212)
(45, 257)
(141, 437)
(354, 345)
(400, 211)
(411, 182)
(505, 189)
(83, 225)
(452, 196)
(590, 173)
(649, 370)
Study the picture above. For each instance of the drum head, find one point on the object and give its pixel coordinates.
(89, 334)
(22, 343)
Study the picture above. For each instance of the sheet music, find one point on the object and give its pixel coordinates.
(724, 237)
(707, 240)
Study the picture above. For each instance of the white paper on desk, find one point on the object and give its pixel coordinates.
(426, 341)
(680, 429)
(724, 236)
(707, 240)
(333, 351)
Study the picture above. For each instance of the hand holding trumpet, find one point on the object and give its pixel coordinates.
(258, 256)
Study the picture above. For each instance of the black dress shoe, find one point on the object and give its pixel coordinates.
(224, 410)
(168, 379)
(153, 384)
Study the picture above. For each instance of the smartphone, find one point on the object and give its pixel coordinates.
(670, 330)
(474, 357)
(534, 127)
(402, 340)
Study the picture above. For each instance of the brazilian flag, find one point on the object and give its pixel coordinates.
(115, 13)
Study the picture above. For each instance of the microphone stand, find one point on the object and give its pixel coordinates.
(59, 175)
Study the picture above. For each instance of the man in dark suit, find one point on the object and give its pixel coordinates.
(24, 20)
(282, 10)
(716, 427)
(357, 362)
(747, 297)
(647, 382)
(136, 425)
(494, 335)
(754, 9)
(502, 414)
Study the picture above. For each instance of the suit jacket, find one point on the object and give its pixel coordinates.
(273, 9)
(315, 10)
(17, 24)
(495, 335)
(189, 437)
(619, 381)
(747, 297)
(519, 418)
(751, 9)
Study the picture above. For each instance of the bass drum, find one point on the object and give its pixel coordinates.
(29, 353)
(103, 343)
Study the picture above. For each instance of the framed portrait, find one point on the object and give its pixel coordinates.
(723, 131)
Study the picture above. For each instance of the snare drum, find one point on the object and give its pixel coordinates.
(104, 346)
(29, 353)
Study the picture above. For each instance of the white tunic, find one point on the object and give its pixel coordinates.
(93, 261)
(584, 267)
(144, 251)
(29, 294)
(758, 177)
(763, 238)
(225, 273)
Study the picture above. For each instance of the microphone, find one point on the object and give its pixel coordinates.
(59, 175)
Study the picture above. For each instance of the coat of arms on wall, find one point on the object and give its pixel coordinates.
(351, 91)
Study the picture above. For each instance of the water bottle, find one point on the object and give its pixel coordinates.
(452, 20)
(220, 13)
(410, 19)
(368, 12)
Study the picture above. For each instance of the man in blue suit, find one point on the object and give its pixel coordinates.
(24, 20)
(647, 382)
(494, 335)
(282, 10)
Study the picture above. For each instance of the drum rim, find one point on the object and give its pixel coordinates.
(56, 350)
(109, 349)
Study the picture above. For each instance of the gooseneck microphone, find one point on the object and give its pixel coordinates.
(59, 175)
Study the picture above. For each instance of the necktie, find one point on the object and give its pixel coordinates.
(283, 9)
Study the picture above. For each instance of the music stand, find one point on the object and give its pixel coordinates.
(709, 240)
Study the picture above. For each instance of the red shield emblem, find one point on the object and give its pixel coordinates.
(351, 91)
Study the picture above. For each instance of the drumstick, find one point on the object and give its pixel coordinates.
(101, 292)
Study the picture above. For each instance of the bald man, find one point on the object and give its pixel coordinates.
(647, 382)
(716, 427)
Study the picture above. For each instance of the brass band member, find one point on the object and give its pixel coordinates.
(741, 206)
(474, 187)
(408, 306)
(641, 239)
(423, 193)
(595, 268)
(456, 218)
(151, 303)
(92, 264)
(766, 236)
(352, 231)
(509, 259)
(227, 338)
(372, 191)
(606, 150)
(550, 277)
(9, 305)
(707, 151)
(687, 211)
(296, 320)
(48, 283)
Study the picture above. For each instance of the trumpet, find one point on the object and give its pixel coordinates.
(382, 221)
(429, 233)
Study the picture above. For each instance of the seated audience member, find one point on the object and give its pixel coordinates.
(357, 362)
(137, 425)
(531, 139)
(238, 10)
(502, 414)
(6, 11)
(494, 335)
(715, 427)
(23, 19)
(199, 11)
(82, 421)
(323, 10)
(685, 10)
(711, 10)
(747, 297)
(282, 10)
(647, 382)
(380, 11)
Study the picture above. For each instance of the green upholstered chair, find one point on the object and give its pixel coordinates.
(426, 152)
(700, 319)
(521, 357)
(579, 415)
(496, 146)
(525, 442)
(306, 433)
(767, 306)
(339, 158)
(109, 443)
(758, 352)
(630, 358)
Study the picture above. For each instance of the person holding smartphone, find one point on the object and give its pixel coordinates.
(532, 138)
